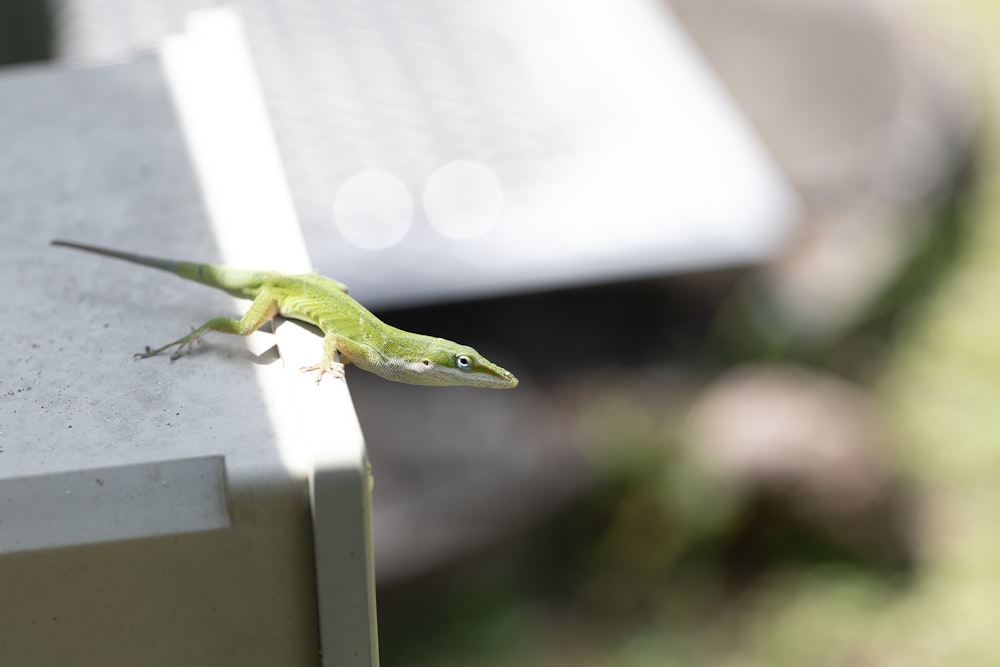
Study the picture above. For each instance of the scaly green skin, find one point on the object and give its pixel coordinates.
(349, 329)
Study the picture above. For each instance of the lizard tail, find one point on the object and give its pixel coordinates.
(163, 264)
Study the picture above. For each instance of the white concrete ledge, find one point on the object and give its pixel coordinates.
(152, 512)
(145, 500)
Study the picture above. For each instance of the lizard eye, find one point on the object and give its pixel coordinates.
(463, 362)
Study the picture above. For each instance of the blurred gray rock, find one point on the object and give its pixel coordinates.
(809, 443)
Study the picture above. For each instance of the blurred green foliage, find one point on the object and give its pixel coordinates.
(638, 574)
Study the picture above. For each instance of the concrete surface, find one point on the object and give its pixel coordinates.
(152, 512)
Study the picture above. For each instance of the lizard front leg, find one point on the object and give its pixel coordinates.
(330, 362)
(263, 308)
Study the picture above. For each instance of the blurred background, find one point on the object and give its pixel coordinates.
(757, 422)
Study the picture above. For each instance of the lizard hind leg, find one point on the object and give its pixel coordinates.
(183, 344)
(263, 308)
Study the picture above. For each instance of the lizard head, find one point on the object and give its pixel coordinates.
(445, 363)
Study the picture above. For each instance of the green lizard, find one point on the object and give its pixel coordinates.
(350, 331)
